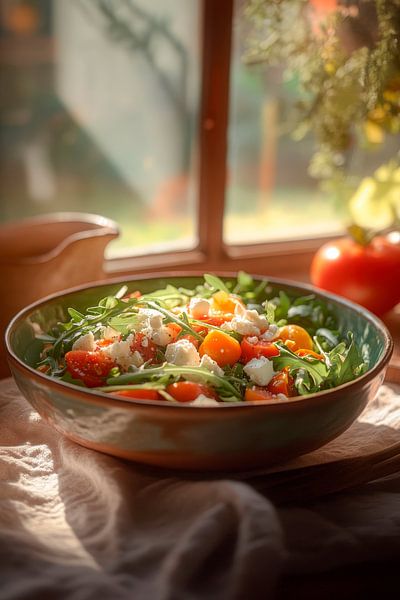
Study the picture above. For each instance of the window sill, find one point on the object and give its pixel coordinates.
(290, 260)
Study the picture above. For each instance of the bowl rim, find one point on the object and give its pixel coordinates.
(97, 396)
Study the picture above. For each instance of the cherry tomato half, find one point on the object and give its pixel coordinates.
(187, 391)
(297, 335)
(282, 383)
(221, 347)
(144, 346)
(90, 367)
(258, 348)
(367, 274)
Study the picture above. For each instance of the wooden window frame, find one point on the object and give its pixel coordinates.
(290, 259)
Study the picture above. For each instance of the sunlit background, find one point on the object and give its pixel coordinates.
(99, 113)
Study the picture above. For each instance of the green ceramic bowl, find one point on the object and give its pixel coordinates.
(229, 436)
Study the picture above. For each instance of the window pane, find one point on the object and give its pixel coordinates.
(98, 114)
(270, 195)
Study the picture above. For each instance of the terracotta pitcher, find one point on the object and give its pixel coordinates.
(46, 254)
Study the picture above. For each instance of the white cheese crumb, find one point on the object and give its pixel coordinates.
(148, 319)
(182, 353)
(203, 400)
(161, 336)
(122, 354)
(260, 370)
(199, 308)
(248, 322)
(85, 342)
(137, 359)
(211, 365)
(271, 333)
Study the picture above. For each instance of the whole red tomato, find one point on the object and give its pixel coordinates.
(368, 274)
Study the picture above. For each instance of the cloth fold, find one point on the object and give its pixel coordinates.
(77, 524)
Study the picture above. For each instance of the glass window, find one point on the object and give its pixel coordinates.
(98, 113)
(270, 195)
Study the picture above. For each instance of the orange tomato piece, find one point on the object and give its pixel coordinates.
(223, 302)
(258, 394)
(187, 391)
(140, 394)
(296, 334)
(221, 347)
(305, 352)
(174, 329)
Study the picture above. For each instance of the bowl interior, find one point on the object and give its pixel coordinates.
(370, 334)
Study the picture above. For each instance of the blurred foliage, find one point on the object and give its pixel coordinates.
(346, 61)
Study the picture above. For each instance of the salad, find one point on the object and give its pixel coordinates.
(223, 341)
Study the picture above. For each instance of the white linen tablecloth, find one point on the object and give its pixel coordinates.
(76, 524)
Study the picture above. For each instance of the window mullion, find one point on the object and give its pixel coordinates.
(217, 33)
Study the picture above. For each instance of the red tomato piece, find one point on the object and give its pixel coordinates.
(187, 391)
(282, 383)
(367, 274)
(90, 367)
(255, 350)
(193, 340)
(218, 319)
(144, 346)
(140, 394)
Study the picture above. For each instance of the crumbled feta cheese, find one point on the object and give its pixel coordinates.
(137, 359)
(260, 370)
(150, 323)
(199, 308)
(248, 322)
(122, 354)
(148, 318)
(271, 333)
(85, 342)
(253, 339)
(203, 400)
(211, 365)
(281, 396)
(162, 336)
(183, 353)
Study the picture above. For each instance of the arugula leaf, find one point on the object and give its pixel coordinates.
(170, 296)
(330, 338)
(270, 311)
(215, 282)
(282, 305)
(170, 317)
(317, 371)
(75, 315)
(345, 362)
(245, 283)
(124, 323)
